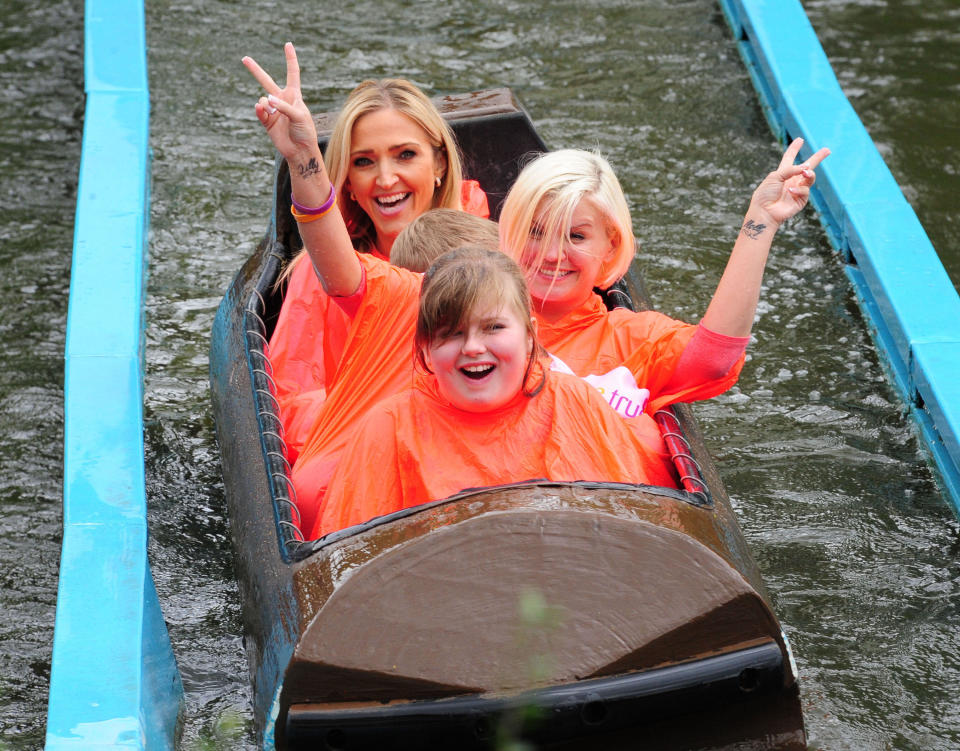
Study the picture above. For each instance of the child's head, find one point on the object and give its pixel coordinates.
(438, 231)
(566, 221)
(474, 329)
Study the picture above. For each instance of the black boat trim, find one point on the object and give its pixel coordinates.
(584, 709)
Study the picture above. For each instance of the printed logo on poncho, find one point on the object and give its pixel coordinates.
(618, 387)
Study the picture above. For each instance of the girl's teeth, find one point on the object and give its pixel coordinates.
(476, 371)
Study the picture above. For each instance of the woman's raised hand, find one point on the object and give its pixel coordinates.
(786, 190)
(282, 111)
(780, 196)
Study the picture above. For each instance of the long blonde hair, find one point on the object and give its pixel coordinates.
(372, 96)
(548, 190)
(404, 97)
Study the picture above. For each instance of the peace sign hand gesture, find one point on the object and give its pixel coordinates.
(786, 190)
(282, 112)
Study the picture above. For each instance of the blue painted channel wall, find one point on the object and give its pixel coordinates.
(114, 683)
(909, 303)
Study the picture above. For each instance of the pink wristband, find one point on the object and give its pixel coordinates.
(319, 210)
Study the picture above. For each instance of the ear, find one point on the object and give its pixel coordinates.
(614, 239)
(533, 324)
(440, 163)
(613, 235)
(427, 359)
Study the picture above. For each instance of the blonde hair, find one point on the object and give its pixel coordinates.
(548, 190)
(459, 282)
(437, 231)
(404, 97)
(372, 96)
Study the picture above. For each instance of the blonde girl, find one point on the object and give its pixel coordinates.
(567, 223)
(390, 158)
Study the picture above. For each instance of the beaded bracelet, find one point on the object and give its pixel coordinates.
(305, 214)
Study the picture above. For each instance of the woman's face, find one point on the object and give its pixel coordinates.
(480, 366)
(392, 172)
(569, 266)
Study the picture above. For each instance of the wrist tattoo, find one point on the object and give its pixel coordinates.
(752, 230)
(310, 168)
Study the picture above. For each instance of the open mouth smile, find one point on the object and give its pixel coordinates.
(476, 372)
(392, 203)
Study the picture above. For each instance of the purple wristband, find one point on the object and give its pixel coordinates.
(321, 209)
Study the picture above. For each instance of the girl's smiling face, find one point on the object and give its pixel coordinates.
(392, 171)
(480, 365)
(562, 271)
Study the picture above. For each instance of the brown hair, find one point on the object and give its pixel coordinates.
(461, 280)
(438, 231)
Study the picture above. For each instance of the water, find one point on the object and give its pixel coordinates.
(898, 64)
(41, 100)
(857, 545)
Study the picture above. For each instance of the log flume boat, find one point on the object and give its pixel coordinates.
(560, 615)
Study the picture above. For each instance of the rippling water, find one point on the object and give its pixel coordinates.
(858, 547)
(41, 103)
(899, 64)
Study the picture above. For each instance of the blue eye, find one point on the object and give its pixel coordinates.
(362, 161)
(408, 154)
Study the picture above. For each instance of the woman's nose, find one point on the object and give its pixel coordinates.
(553, 253)
(386, 176)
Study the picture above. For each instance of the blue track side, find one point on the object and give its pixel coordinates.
(907, 298)
(114, 683)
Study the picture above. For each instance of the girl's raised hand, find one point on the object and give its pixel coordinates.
(785, 191)
(282, 111)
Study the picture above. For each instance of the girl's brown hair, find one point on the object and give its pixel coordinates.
(460, 281)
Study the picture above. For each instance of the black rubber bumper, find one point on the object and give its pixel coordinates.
(583, 710)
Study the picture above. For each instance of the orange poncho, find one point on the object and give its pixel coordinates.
(308, 340)
(377, 363)
(417, 447)
(594, 340)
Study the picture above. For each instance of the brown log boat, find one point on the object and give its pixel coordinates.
(559, 615)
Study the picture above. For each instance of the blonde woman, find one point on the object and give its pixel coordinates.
(390, 158)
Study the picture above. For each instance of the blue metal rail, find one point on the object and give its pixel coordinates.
(907, 298)
(114, 682)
